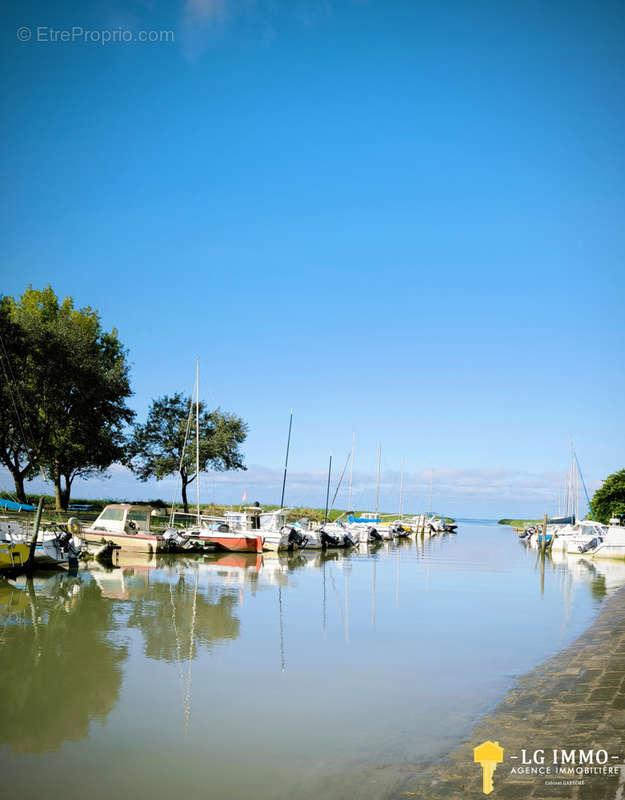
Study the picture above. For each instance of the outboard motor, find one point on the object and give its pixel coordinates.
(348, 540)
(590, 545)
(295, 538)
(397, 529)
(66, 544)
(327, 540)
(374, 536)
(174, 540)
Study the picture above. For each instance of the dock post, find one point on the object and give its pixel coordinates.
(33, 541)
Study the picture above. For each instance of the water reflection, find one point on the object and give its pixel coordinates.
(50, 627)
(293, 660)
(177, 614)
(602, 576)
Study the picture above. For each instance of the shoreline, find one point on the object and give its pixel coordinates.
(574, 699)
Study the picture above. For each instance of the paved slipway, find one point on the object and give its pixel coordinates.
(574, 700)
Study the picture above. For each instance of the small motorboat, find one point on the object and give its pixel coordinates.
(125, 525)
(609, 545)
(270, 526)
(211, 536)
(13, 555)
(57, 548)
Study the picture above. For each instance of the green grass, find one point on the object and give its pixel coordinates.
(210, 509)
(519, 523)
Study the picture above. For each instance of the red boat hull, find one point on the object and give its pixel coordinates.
(235, 544)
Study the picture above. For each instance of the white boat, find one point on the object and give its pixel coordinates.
(341, 533)
(271, 526)
(570, 538)
(385, 529)
(610, 545)
(364, 533)
(128, 526)
(55, 547)
(437, 525)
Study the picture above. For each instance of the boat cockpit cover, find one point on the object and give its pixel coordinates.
(9, 505)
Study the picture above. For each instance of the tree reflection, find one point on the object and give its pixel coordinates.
(598, 587)
(179, 616)
(58, 666)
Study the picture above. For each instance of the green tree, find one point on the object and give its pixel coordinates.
(610, 498)
(157, 448)
(73, 382)
(22, 433)
(68, 625)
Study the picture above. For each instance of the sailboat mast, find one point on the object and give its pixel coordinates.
(570, 491)
(377, 486)
(351, 475)
(197, 438)
(431, 478)
(328, 487)
(401, 487)
(286, 460)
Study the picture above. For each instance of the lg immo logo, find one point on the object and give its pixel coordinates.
(488, 754)
(560, 762)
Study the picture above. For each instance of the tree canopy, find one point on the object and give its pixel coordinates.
(610, 498)
(157, 448)
(22, 431)
(64, 390)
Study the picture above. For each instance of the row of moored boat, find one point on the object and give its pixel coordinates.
(252, 529)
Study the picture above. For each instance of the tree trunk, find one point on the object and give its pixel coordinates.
(58, 494)
(18, 480)
(61, 495)
(185, 502)
(66, 492)
(11, 462)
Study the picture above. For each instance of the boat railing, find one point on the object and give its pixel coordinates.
(190, 517)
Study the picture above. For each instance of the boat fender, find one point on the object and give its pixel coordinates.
(74, 526)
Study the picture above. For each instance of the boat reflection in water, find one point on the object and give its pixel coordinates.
(51, 626)
(273, 676)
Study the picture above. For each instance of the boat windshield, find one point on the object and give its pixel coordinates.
(116, 514)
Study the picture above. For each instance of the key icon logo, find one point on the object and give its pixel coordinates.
(488, 754)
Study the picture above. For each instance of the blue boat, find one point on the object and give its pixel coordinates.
(9, 505)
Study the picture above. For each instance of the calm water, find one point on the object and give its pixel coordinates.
(265, 677)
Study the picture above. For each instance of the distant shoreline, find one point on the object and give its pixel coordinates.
(518, 523)
(95, 506)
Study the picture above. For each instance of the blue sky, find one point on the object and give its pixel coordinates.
(401, 219)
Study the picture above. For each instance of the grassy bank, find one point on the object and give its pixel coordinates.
(209, 509)
(519, 523)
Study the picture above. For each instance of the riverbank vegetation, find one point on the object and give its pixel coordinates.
(519, 523)
(609, 499)
(94, 507)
